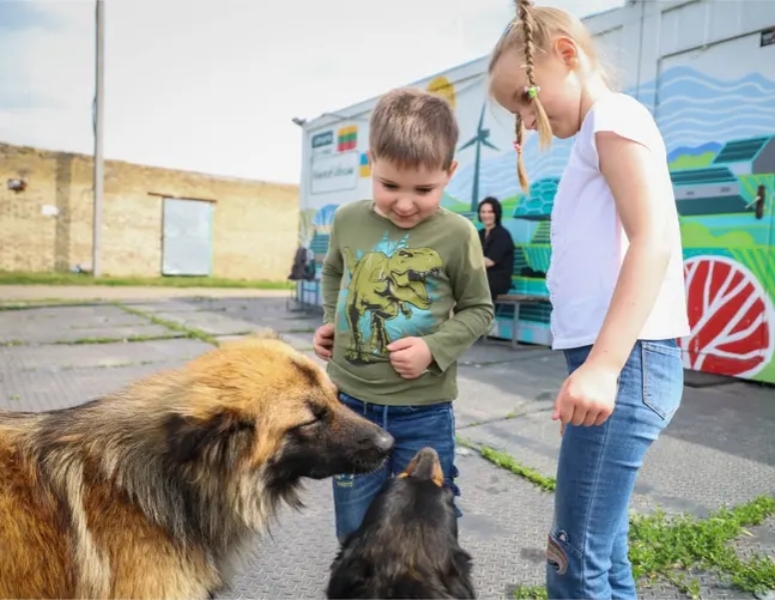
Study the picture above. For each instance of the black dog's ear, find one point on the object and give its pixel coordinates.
(459, 582)
(220, 439)
(349, 577)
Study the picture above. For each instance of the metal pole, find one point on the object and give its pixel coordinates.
(99, 173)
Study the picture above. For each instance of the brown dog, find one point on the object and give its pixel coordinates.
(150, 492)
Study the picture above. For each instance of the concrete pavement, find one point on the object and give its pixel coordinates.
(719, 449)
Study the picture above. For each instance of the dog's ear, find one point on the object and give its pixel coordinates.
(458, 581)
(350, 577)
(219, 439)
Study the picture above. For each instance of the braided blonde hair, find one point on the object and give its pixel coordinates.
(531, 32)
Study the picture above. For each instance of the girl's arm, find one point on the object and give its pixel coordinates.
(635, 176)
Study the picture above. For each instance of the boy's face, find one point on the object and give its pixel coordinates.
(407, 196)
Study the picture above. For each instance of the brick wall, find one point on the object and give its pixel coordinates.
(255, 224)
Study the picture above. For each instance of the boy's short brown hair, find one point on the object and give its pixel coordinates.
(414, 128)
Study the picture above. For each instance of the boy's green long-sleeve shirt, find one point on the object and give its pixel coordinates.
(381, 283)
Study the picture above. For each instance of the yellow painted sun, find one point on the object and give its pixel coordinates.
(442, 87)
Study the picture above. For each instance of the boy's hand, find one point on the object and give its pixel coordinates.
(323, 341)
(410, 357)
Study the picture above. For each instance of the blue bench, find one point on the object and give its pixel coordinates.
(298, 294)
(516, 300)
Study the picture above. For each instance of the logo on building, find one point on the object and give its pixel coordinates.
(365, 170)
(321, 140)
(347, 138)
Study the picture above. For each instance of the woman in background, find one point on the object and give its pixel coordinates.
(497, 245)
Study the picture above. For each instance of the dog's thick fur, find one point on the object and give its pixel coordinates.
(150, 492)
(407, 545)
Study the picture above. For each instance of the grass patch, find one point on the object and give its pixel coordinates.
(530, 592)
(668, 548)
(45, 302)
(508, 462)
(115, 340)
(665, 548)
(188, 332)
(27, 278)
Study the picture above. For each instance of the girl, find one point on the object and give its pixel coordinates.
(616, 285)
(498, 247)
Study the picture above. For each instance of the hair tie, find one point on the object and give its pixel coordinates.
(532, 91)
(517, 147)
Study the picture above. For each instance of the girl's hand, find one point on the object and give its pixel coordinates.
(488, 262)
(587, 397)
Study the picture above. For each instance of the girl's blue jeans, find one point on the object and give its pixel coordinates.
(412, 427)
(587, 551)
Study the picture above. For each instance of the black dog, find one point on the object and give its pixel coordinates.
(407, 545)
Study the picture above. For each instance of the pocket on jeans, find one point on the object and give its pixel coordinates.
(663, 377)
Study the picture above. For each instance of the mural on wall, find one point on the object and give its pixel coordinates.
(315, 222)
(724, 182)
(720, 135)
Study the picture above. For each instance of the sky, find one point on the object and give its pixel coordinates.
(213, 85)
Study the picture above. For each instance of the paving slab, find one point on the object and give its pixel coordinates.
(677, 475)
(12, 322)
(264, 312)
(211, 323)
(166, 305)
(82, 356)
(488, 392)
(46, 333)
(67, 317)
(737, 419)
(48, 390)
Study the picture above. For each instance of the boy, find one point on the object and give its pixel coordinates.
(405, 293)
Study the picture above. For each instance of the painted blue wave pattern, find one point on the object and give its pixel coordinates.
(325, 215)
(498, 175)
(694, 110)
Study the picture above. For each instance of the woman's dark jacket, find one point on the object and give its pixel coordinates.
(498, 246)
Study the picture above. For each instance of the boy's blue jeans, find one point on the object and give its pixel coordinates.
(587, 551)
(413, 427)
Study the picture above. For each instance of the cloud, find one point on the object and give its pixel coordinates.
(213, 85)
(17, 15)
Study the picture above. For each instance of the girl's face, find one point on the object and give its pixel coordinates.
(555, 73)
(486, 215)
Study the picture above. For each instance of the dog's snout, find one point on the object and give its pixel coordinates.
(383, 441)
(425, 466)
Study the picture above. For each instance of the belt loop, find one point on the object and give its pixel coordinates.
(385, 417)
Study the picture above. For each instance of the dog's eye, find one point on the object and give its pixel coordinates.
(309, 424)
(319, 412)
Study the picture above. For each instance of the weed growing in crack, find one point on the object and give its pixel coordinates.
(671, 548)
(188, 332)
